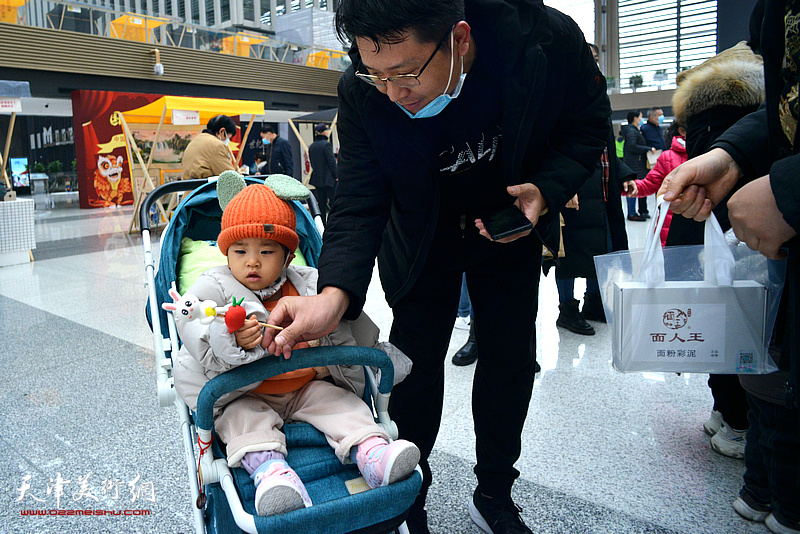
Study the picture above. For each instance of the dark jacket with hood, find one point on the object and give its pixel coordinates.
(760, 148)
(554, 123)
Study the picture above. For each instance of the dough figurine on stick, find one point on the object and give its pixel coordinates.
(189, 308)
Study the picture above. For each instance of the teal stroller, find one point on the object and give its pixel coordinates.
(222, 497)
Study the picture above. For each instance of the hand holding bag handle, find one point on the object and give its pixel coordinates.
(651, 271)
(718, 261)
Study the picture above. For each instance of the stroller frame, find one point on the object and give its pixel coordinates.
(212, 470)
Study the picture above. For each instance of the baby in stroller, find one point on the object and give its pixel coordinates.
(258, 237)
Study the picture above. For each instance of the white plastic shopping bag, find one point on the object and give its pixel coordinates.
(708, 308)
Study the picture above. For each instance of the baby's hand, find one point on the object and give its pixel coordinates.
(322, 372)
(249, 335)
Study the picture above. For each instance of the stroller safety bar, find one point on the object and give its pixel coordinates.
(188, 451)
(243, 520)
(268, 367)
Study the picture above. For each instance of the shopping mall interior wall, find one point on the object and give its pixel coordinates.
(48, 84)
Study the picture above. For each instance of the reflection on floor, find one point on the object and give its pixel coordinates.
(602, 452)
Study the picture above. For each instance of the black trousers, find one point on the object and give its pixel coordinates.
(503, 282)
(324, 196)
(643, 205)
(730, 399)
(772, 473)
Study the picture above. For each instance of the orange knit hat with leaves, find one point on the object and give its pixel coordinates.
(256, 212)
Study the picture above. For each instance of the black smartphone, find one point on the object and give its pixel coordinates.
(506, 222)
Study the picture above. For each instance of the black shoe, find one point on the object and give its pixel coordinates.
(593, 308)
(417, 520)
(646, 215)
(571, 319)
(636, 217)
(467, 354)
(496, 516)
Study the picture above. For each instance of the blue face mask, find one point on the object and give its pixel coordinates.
(435, 106)
(661, 119)
(265, 141)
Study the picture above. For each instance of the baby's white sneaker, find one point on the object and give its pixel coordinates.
(383, 463)
(279, 490)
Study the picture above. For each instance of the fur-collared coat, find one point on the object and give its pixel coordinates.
(711, 98)
(715, 94)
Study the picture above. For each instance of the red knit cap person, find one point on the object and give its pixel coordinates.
(256, 212)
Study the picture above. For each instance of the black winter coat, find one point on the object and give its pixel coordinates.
(323, 162)
(760, 148)
(555, 125)
(653, 135)
(635, 150)
(279, 158)
(585, 229)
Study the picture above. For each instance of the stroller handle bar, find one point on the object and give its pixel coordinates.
(160, 191)
(268, 367)
(189, 185)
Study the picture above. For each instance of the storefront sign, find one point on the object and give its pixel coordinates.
(10, 105)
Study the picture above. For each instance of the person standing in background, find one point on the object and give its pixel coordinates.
(278, 151)
(635, 156)
(208, 154)
(666, 163)
(465, 320)
(711, 98)
(593, 224)
(260, 163)
(652, 131)
(323, 168)
(653, 135)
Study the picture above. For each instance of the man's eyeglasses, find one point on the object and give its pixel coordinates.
(401, 80)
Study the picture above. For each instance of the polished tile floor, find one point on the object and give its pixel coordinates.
(603, 452)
